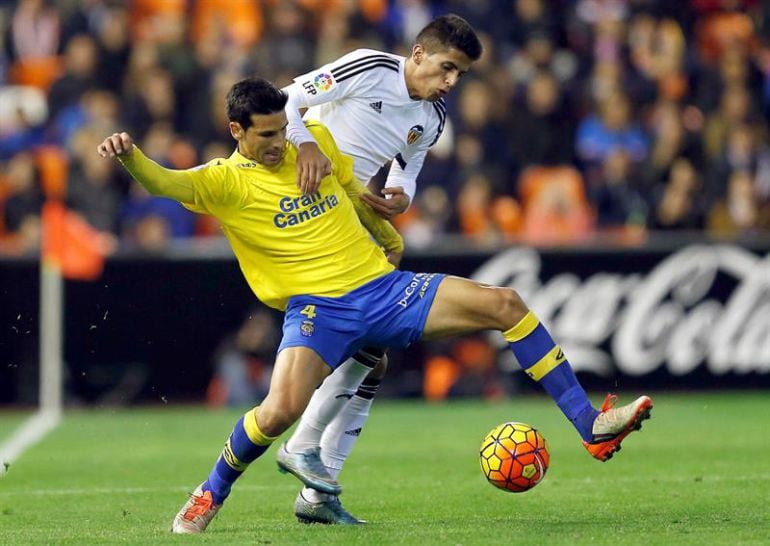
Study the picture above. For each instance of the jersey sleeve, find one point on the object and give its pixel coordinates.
(405, 170)
(404, 173)
(296, 132)
(215, 190)
(349, 75)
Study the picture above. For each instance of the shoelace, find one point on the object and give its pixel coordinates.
(609, 402)
(201, 505)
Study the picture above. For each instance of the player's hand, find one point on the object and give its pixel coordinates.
(312, 166)
(119, 144)
(394, 257)
(395, 202)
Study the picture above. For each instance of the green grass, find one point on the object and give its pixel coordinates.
(10, 420)
(699, 473)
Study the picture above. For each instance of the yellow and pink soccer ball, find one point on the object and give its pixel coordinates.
(514, 457)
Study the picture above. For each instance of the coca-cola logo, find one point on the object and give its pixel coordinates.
(636, 322)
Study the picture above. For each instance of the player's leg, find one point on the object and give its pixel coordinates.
(342, 433)
(339, 437)
(462, 306)
(296, 373)
(329, 399)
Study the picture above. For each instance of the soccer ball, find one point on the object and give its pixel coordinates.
(514, 457)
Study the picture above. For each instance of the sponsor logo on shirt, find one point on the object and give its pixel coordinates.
(376, 106)
(414, 133)
(296, 210)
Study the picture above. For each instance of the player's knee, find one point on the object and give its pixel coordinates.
(378, 372)
(275, 418)
(509, 308)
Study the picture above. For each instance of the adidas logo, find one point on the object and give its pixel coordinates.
(376, 106)
(354, 432)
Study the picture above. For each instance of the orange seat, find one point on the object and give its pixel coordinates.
(242, 20)
(37, 72)
(555, 206)
(52, 162)
(441, 373)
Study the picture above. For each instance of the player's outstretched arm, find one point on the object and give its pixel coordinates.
(177, 185)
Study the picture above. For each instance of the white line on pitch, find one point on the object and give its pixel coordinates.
(28, 434)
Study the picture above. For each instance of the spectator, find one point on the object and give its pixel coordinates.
(670, 139)
(79, 76)
(615, 198)
(739, 213)
(23, 202)
(243, 362)
(679, 205)
(611, 129)
(580, 83)
(92, 187)
(544, 123)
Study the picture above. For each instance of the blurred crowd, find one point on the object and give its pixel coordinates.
(582, 116)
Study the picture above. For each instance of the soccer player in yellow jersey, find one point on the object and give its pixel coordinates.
(311, 256)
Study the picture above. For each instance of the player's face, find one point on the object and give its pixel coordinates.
(265, 139)
(436, 72)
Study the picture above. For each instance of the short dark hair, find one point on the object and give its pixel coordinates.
(254, 96)
(451, 31)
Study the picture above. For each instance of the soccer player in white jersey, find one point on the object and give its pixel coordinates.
(381, 108)
(311, 255)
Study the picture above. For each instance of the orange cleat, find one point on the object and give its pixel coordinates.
(613, 424)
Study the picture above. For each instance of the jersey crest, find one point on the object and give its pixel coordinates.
(414, 134)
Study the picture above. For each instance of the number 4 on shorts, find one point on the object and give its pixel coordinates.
(308, 311)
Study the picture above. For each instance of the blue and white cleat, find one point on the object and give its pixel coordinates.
(329, 512)
(308, 468)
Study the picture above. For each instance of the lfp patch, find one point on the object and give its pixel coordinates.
(323, 82)
(414, 133)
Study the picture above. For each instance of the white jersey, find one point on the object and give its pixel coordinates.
(362, 98)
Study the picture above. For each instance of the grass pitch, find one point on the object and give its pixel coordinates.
(698, 473)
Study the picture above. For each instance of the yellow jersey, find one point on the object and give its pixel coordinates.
(286, 243)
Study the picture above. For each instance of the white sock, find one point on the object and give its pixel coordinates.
(311, 495)
(338, 440)
(334, 393)
(342, 433)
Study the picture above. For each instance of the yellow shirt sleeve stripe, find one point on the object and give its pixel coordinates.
(522, 329)
(540, 369)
